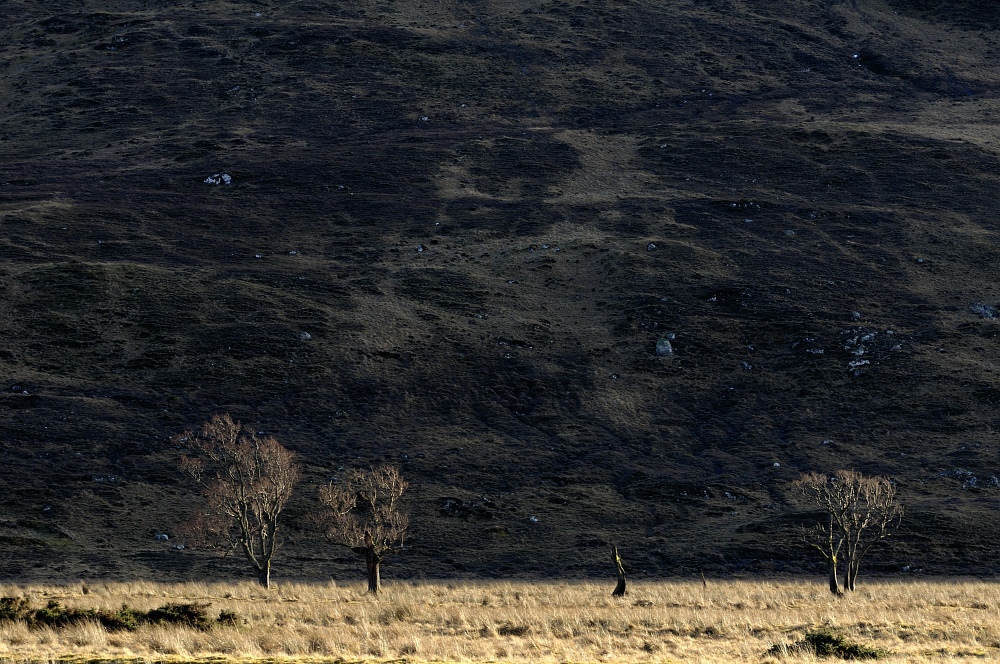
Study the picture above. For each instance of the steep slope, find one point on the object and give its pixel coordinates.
(454, 234)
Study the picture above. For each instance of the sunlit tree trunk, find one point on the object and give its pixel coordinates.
(834, 579)
(620, 570)
(264, 575)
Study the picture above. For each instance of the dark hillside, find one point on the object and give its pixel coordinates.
(454, 233)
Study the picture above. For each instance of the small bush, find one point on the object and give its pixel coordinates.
(228, 618)
(191, 615)
(56, 615)
(828, 643)
(14, 609)
(125, 619)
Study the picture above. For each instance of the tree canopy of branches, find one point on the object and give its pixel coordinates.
(364, 513)
(247, 479)
(859, 511)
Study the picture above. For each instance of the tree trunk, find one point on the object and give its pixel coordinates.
(850, 569)
(264, 575)
(620, 588)
(834, 579)
(852, 575)
(372, 563)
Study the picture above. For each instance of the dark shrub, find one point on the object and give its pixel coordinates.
(54, 614)
(14, 609)
(828, 643)
(229, 618)
(192, 615)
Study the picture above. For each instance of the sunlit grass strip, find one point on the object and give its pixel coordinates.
(464, 621)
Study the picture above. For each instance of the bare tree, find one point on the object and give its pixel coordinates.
(365, 514)
(859, 511)
(824, 537)
(872, 517)
(247, 479)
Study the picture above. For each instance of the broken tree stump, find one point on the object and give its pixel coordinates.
(620, 588)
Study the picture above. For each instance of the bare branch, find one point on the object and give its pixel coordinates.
(247, 480)
(862, 511)
(364, 513)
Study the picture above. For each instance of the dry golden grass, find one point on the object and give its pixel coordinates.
(731, 621)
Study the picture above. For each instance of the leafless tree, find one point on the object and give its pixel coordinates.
(247, 479)
(873, 516)
(365, 514)
(859, 511)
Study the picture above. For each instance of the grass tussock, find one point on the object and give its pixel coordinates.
(496, 621)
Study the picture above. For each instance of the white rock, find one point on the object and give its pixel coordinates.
(219, 178)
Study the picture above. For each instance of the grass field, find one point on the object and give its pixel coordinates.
(463, 621)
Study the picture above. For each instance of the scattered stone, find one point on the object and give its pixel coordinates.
(856, 315)
(957, 473)
(293, 253)
(651, 246)
(305, 336)
(808, 344)
(113, 479)
(864, 341)
(163, 537)
(983, 310)
(533, 519)
(776, 464)
(664, 348)
(179, 547)
(420, 248)
(746, 366)
(219, 178)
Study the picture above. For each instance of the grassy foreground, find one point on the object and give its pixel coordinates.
(731, 621)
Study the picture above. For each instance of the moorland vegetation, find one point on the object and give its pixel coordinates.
(539, 621)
